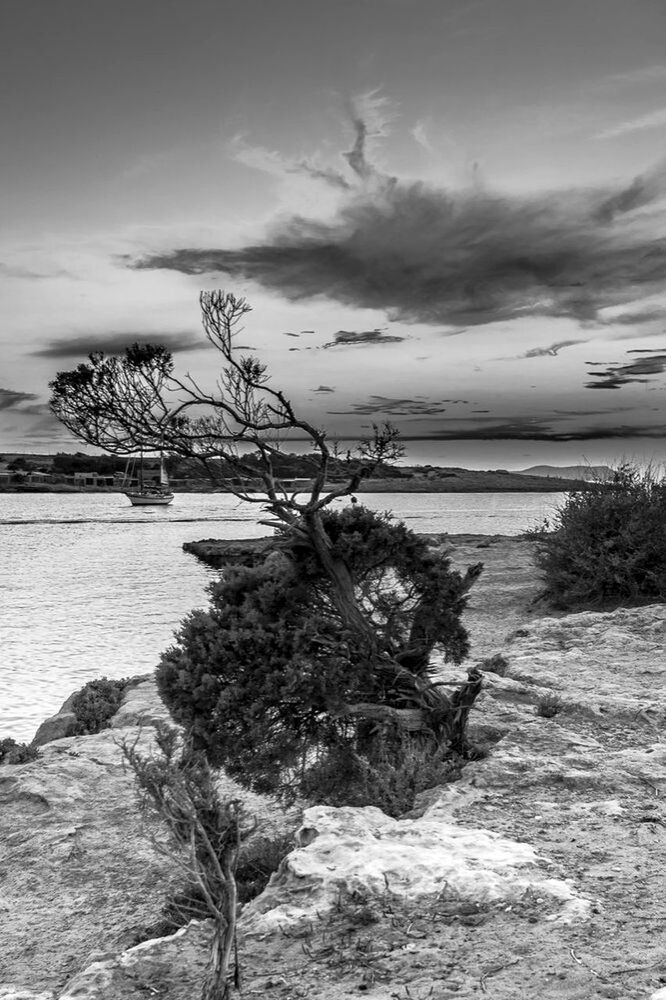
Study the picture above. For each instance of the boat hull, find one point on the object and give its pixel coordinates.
(149, 499)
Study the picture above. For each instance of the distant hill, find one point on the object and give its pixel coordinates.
(589, 473)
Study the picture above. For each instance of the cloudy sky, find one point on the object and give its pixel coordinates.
(445, 213)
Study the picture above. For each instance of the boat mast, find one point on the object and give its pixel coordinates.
(141, 471)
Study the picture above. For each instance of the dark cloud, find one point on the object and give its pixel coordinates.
(115, 343)
(324, 388)
(343, 338)
(614, 376)
(538, 430)
(457, 257)
(10, 399)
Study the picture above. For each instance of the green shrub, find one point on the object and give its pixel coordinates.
(608, 544)
(263, 679)
(496, 664)
(12, 752)
(96, 703)
(390, 777)
(549, 705)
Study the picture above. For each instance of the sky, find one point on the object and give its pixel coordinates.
(447, 214)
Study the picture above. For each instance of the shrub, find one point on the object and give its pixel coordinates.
(549, 705)
(271, 683)
(496, 664)
(390, 777)
(12, 752)
(206, 834)
(608, 544)
(96, 703)
(258, 859)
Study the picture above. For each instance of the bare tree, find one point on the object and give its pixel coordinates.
(123, 404)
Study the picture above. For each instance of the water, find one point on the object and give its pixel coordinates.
(91, 587)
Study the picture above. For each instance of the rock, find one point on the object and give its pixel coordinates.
(9, 993)
(79, 869)
(64, 723)
(74, 842)
(602, 663)
(220, 552)
(176, 964)
(141, 705)
(361, 850)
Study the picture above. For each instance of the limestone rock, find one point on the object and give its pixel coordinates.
(173, 966)
(361, 850)
(64, 723)
(141, 705)
(74, 843)
(608, 663)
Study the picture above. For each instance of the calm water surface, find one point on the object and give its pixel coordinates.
(91, 587)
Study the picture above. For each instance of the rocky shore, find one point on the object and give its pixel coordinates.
(540, 873)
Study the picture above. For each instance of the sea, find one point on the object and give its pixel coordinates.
(93, 587)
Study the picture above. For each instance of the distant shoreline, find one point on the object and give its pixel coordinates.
(373, 486)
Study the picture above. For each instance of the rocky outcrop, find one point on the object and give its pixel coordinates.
(218, 552)
(539, 873)
(57, 727)
(80, 878)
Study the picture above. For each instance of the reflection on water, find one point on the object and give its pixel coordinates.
(92, 587)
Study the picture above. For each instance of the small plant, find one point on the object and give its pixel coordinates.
(206, 835)
(496, 664)
(549, 705)
(96, 704)
(12, 752)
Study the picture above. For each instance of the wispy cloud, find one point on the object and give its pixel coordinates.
(33, 274)
(654, 119)
(656, 73)
(551, 351)
(270, 161)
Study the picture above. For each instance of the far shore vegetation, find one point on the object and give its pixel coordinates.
(80, 472)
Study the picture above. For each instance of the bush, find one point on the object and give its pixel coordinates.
(12, 752)
(608, 544)
(496, 664)
(96, 703)
(263, 680)
(258, 859)
(549, 705)
(390, 777)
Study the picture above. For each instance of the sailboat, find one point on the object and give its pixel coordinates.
(148, 496)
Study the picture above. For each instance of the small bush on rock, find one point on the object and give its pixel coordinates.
(12, 752)
(496, 664)
(96, 703)
(608, 544)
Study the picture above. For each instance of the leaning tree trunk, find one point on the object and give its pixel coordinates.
(424, 708)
